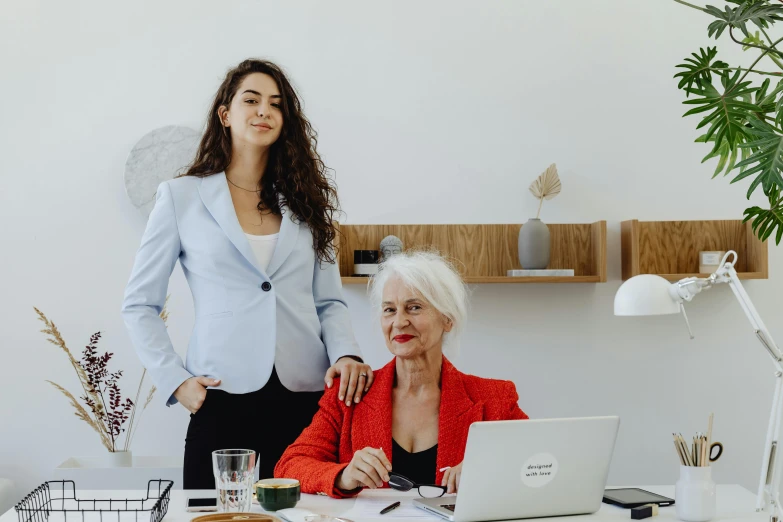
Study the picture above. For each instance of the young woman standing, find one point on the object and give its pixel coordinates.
(251, 225)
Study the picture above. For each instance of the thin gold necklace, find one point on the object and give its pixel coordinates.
(243, 188)
(254, 191)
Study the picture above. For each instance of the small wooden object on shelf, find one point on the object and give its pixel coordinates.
(483, 253)
(671, 249)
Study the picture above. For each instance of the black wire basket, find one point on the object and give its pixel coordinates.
(57, 499)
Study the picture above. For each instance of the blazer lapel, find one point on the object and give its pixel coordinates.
(286, 241)
(372, 418)
(457, 413)
(216, 197)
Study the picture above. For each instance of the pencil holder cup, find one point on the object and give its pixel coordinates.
(694, 494)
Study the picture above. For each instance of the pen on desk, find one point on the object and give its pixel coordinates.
(390, 507)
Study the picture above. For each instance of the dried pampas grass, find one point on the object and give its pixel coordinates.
(83, 415)
(56, 339)
(96, 420)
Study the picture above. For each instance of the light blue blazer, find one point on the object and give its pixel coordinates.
(291, 316)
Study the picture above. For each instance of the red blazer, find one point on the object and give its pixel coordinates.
(326, 447)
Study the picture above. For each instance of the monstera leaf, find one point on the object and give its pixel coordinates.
(767, 158)
(743, 121)
(765, 221)
(699, 69)
(760, 13)
(728, 111)
(727, 155)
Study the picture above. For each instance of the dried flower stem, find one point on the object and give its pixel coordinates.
(138, 421)
(83, 415)
(164, 315)
(109, 412)
(133, 414)
(109, 429)
(56, 339)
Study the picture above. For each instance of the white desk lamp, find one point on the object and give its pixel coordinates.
(648, 294)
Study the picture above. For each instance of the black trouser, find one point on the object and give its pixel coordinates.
(267, 421)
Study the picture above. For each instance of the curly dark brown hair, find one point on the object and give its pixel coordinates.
(294, 171)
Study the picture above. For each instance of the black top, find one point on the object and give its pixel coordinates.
(419, 466)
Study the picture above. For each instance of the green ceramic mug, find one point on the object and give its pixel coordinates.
(276, 494)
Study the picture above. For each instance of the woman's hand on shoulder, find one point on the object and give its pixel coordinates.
(355, 379)
(368, 468)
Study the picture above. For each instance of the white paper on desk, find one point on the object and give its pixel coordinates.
(370, 502)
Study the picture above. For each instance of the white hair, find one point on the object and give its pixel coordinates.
(432, 276)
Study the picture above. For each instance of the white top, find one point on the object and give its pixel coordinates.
(263, 247)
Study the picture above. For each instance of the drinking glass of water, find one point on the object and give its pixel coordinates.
(234, 470)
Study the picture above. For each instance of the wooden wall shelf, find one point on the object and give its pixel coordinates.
(671, 248)
(484, 253)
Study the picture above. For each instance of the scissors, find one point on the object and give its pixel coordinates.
(720, 451)
(712, 458)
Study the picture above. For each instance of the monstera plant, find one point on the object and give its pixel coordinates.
(741, 106)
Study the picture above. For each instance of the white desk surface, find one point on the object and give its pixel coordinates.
(734, 503)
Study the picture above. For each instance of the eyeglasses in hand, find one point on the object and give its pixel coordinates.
(403, 483)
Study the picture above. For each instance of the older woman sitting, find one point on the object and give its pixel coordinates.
(415, 418)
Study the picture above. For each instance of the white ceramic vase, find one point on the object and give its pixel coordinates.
(119, 459)
(694, 494)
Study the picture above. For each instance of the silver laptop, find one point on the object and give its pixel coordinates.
(531, 468)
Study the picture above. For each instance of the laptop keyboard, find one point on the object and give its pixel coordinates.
(450, 507)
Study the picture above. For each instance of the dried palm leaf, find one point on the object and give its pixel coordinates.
(546, 186)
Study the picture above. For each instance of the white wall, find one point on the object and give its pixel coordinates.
(429, 112)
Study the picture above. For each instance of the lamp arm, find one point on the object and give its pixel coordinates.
(768, 497)
(759, 328)
(684, 291)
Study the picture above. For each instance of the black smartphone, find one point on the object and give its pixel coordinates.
(634, 497)
(201, 504)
